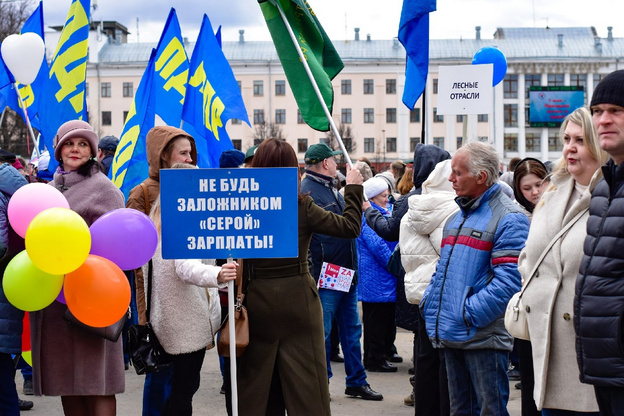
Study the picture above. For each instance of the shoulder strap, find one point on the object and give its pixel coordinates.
(146, 197)
(548, 247)
(149, 291)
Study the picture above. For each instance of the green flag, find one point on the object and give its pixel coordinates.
(320, 54)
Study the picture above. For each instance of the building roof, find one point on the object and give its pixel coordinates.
(518, 44)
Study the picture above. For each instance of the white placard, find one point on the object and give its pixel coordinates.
(465, 89)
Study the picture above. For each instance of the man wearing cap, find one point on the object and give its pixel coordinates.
(250, 154)
(599, 298)
(106, 150)
(340, 306)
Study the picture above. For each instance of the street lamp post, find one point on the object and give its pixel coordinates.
(383, 132)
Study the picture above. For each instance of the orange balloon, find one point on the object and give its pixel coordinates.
(98, 292)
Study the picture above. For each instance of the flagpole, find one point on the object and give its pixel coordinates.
(315, 86)
(26, 118)
(232, 333)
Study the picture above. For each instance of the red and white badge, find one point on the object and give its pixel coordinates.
(335, 277)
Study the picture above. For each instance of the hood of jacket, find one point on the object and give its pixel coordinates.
(157, 139)
(10, 179)
(426, 157)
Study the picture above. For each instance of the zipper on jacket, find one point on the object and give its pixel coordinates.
(437, 335)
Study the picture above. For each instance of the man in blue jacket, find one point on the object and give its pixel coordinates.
(342, 307)
(599, 295)
(474, 280)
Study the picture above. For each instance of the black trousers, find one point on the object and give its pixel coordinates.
(527, 378)
(610, 400)
(379, 331)
(431, 396)
(184, 383)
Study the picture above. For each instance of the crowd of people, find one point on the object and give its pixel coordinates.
(437, 245)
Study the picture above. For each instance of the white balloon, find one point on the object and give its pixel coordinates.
(23, 55)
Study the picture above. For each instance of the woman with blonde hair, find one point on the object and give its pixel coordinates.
(550, 281)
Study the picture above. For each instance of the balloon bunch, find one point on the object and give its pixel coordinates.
(67, 261)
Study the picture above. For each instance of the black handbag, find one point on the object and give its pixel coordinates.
(146, 353)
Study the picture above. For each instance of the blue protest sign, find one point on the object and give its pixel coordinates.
(221, 213)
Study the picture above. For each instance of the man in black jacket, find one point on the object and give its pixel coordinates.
(599, 298)
(340, 306)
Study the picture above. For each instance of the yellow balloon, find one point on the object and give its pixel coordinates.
(58, 240)
(27, 356)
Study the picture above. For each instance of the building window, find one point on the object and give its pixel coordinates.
(460, 118)
(258, 88)
(554, 143)
(280, 87)
(511, 142)
(483, 139)
(459, 142)
(236, 121)
(302, 145)
(257, 141)
(438, 141)
(511, 115)
(240, 85)
(105, 89)
(369, 115)
(348, 144)
(258, 116)
(390, 115)
(128, 89)
(415, 115)
(238, 144)
(597, 78)
(346, 116)
(532, 142)
(87, 89)
(531, 80)
(324, 140)
(555, 80)
(435, 85)
(482, 118)
(369, 87)
(391, 86)
(280, 116)
(369, 145)
(345, 87)
(579, 80)
(391, 144)
(106, 118)
(299, 117)
(510, 86)
(436, 117)
(125, 116)
(413, 143)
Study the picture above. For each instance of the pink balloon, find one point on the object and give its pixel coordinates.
(29, 201)
(125, 236)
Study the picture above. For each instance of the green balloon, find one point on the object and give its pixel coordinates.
(27, 287)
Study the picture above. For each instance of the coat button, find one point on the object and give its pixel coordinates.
(527, 308)
(566, 316)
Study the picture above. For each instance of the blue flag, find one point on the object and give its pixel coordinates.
(5, 84)
(414, 35)
(32, 94)
(64, 97)
(171, 72)
(212, 98)
(130, 165)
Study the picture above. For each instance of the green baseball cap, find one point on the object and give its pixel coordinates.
(318, 153)
(250, 153)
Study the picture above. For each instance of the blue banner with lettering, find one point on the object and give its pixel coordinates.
(221, 213)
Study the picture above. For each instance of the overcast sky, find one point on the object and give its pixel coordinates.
(454, 18)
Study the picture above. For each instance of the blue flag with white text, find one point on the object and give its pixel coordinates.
(171, 72)
(212, 98)
(64, 97)
(130, 167)
(414, 35)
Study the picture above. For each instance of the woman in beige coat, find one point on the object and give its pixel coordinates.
(549, 296)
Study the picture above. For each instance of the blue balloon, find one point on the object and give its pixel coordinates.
(492, 55)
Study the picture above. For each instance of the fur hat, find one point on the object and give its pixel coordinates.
(374, 186)
(231, 158)
(75, 129)
(610, 90)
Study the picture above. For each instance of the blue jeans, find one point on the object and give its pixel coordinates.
(478, 382)
(156, 391)
(343, 308)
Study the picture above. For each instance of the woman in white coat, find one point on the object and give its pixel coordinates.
(184, 314)
(549, 296)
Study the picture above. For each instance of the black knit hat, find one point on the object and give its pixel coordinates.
(610, 90)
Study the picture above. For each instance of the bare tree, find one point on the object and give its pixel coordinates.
(13, 136)
(265, 130)
(345, 134)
